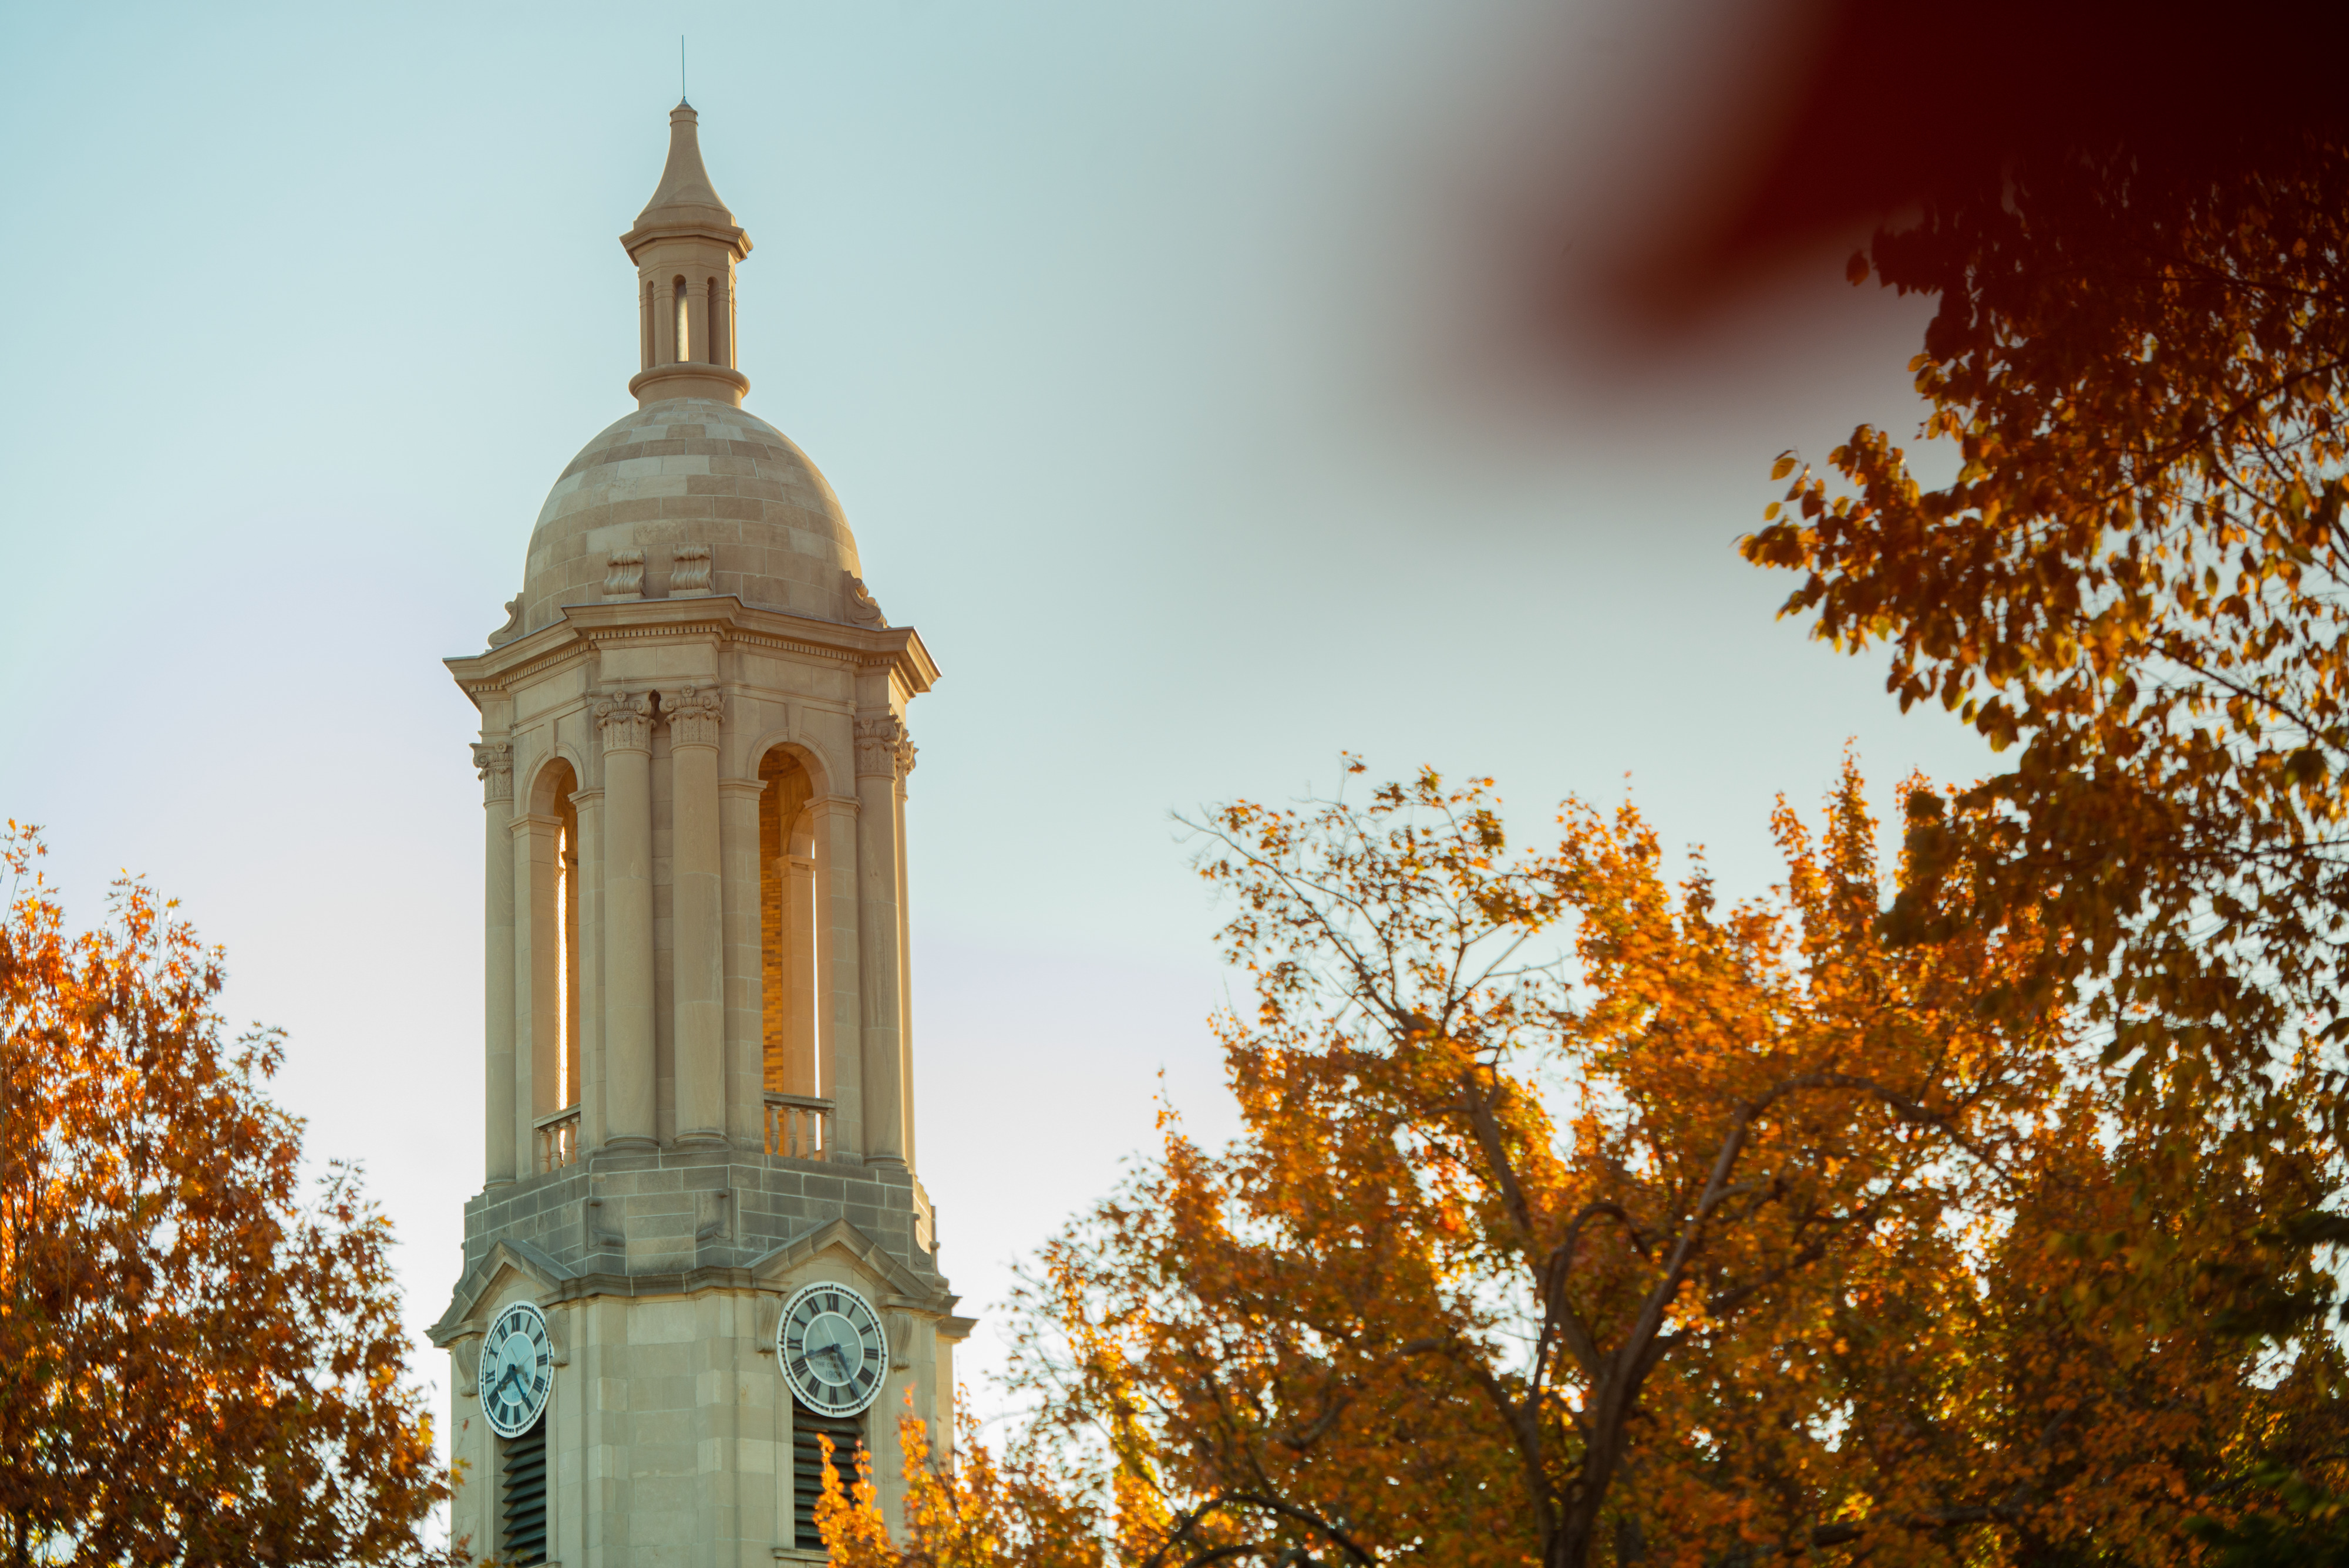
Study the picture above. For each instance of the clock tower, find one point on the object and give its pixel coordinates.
(701, 1240)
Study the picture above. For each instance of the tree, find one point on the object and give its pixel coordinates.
(195, 1367)
(2136, 573)
(1746, 1232)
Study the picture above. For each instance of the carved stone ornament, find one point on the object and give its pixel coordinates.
(883, 749)
(512, 627)
(688, 571)
(624, 576)
(863, 608)
(493, 760)
(626, 719)
(905, 753)
(693, 714)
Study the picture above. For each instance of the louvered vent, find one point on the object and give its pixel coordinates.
(847, 1437)
(522, 1526)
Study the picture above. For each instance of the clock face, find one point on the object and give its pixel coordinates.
(831, 1349)
(517, 1369)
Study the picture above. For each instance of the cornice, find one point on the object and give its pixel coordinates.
(646, 235)
(724, 618)
(558, 1285)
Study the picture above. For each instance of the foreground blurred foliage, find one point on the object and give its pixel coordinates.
(194, 1366)
(2135, 582)
(1724, 1235)
(2136, 575)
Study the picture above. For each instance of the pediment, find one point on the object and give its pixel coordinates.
(507, 1262)
(771, 1270)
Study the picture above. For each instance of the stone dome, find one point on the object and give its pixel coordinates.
(692, 471)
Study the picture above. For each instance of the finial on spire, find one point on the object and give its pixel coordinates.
(681, 98)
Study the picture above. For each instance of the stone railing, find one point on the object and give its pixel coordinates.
(558, 1139)
(799, 1125)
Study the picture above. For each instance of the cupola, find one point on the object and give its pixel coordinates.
(685, 244)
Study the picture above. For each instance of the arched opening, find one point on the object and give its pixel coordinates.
(554, 974)
(684, 323)
(797, 1115)
(566, 957)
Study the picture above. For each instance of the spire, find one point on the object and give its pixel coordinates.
(686, 245)
(685, 196)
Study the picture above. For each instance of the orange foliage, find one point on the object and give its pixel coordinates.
(193, 1367)
(1730, 1232)
(2138, 574)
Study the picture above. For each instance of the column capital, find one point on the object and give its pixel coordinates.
(493, 761)
(884, 749)
(625, 719)
(693, 715)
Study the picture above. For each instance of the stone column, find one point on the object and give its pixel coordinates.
(625, 720)
(495, 761)
(738, 848)
(699, 979)
(589, 803)
(877, 740)
(840, 993)
(905, 955)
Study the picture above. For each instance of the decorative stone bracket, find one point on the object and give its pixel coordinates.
(864, 609)
(512, 627)
(465, 1360)
(623, 575)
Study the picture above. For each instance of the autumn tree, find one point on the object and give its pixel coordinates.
(1729, 1231)
(2134, 578)
(195, 1366)
(2133, 584)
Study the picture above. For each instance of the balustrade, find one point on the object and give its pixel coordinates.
(799, 1125)
(558, 1139)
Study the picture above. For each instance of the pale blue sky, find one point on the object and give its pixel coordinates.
(1140, 345)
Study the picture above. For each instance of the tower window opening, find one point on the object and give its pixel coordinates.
(787, 904)
(684, 323)
(549, 925)
(567, 956)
